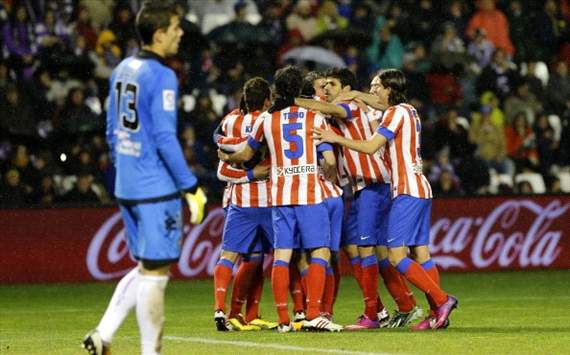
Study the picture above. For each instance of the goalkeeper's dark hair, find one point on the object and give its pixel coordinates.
(396, 81)
(288, 81)
(345, 76)
(153, 16)
(308, 90)
(255, 91)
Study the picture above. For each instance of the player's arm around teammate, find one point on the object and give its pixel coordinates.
(409, 219)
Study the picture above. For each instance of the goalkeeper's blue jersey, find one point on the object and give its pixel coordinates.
(141, 130)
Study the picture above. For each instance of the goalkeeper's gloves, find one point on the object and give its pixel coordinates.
(197, 204)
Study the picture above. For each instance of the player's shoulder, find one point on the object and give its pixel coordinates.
(232, 115)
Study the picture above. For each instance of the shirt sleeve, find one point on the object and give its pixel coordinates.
(163, 112)
(228, 173)
(391, 123)
(257, 136)
(346, 107)
(112, 121)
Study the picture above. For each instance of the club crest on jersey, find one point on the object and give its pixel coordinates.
(296, 170)
(248, 129)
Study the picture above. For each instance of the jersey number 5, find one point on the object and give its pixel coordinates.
(295, 150)
(128, 116)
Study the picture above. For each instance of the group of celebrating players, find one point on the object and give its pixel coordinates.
(286, 159)
(286, 156)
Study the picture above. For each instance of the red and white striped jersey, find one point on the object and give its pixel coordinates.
(294, 161)
(243, 193)
(362, 169)
(402, 126)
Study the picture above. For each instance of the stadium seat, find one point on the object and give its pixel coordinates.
(535, 180)
(498, 179)
(564, 177)
(556, 125)
(211, 21)
(218, 102)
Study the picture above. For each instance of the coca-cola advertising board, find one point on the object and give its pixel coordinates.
(475, 234)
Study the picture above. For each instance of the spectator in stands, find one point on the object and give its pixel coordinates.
(329, 19)
(272, 22)
(19, 40)
(524, 188)
(558, 89)
(521, 143)
(53, 38)
(44, 195)
(445, 185)
(386, 50)
(522, 100)
(101, 11)
(84, 27)
(425, 21)
(448, 48)
(108, 54)
(490, 141)
(455, 13)
(480, 49)
(303, 20)
(16, 115)
(362, 17)
(495, 24)
(82, 192)
(551, 28)
(77, 118)
(546, 144)
(520, 29)
(13, 193)
(535, 84)
(123, 26)
(499, 76)
(452, 132)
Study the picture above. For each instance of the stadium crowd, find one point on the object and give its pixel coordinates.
(490, 79)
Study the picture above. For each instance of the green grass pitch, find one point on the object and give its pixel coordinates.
(499, 313)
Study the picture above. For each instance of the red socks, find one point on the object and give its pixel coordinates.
(296, 289)
(222, 278)
(242, 284)
(315, 287)
(252, 306)
(280, 287)
(370, 289)
(396, 285)
(420, 278)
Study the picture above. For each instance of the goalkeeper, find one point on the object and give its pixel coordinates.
(152, 176)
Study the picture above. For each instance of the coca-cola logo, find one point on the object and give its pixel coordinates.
(517, 233)
(514, 234)
(108, 256)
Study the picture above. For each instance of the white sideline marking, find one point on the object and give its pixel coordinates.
(251, 344)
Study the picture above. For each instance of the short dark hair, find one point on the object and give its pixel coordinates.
(288, 81)
(345, 76)
(153, 16)
(396, 81)
(308, 84)
(255, 91)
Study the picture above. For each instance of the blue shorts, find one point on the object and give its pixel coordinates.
(245, 228)
(409, 222)
(366, 223)
(154, 230)
(335, 207)
(301, 226)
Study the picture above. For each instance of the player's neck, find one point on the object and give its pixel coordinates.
(156, 49)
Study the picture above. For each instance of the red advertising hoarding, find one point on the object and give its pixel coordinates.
(86, 244)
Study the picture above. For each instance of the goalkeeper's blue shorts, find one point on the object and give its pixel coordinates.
(154, 230)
